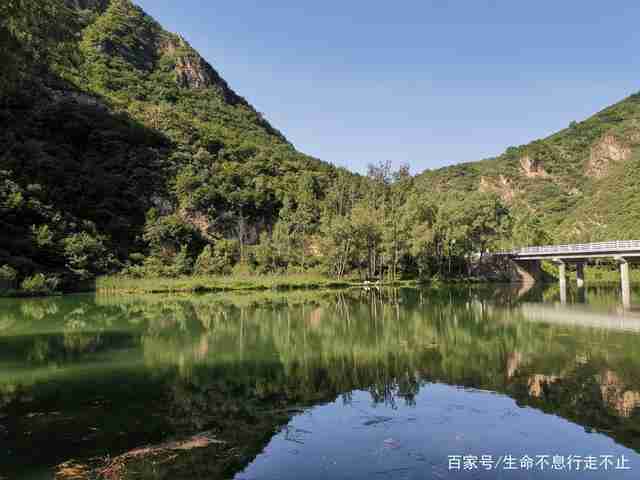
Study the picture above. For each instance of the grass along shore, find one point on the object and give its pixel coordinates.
(193, 284)
(291, 281)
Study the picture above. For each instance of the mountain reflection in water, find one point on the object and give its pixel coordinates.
(307, 384)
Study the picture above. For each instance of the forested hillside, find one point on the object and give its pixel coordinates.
(107, 120)
(123, 150)
(582, 182)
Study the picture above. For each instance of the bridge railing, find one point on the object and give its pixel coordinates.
(614, 246)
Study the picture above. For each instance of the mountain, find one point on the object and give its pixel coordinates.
(582, 182)
(112, 121)
(122, 149)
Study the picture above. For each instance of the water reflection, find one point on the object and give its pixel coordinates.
(83, 376)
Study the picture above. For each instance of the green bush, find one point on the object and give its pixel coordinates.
(40, 284)
(135, 271)
(217, 259)
(183, 264)
(42, 236)
(242, 270)
(8, 274)
(87, 255)
(153, 266)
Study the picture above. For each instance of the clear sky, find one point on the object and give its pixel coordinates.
(424, 82)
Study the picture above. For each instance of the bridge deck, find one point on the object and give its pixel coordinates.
(626, 248)
(623, 251)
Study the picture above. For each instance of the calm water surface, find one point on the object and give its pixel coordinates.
(357, 384)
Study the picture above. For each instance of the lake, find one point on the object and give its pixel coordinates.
(442, 382)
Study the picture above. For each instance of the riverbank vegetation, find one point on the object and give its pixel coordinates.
(195, 284)
(125, 153)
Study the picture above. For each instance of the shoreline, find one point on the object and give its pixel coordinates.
(255, 283)
(115, 285)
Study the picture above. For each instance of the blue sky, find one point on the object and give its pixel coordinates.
(424, 82)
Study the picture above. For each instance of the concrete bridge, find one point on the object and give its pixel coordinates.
(527, 261)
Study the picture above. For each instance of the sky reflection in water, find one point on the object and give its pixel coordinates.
(350, 384)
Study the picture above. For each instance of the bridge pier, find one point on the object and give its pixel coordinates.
(624, 282)
(623, 251)
(580, 274)
(562, 276)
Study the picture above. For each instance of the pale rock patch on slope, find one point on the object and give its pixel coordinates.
(609, 149)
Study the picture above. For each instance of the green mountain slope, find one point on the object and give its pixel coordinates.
(581, 181)
(128, 118)
(122, 149)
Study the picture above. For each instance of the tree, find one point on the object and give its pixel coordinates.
(167, 234)
(447, 229)
(87, 255)
(183, 263)
(42, 236)
(216, 259)
(337, 239)
(419, 214)
(396, 230)
(526, 228)
(306, 214)
(240, 228)
(8, 274)
(367, 230)
(33, 31)
(273, 252)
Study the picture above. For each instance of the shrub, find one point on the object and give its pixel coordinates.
(87, 255)
(135, 271)
(137, 258)
(42, 236)
(7, 273)
(217, 259)
(169, 233)
(183, 264)
(242, 270)
(40, 284)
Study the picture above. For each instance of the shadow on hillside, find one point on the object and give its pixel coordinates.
(70, 163)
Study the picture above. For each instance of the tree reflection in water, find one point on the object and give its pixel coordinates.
(85, 376)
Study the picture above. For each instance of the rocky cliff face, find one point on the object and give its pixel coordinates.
(532, 167)
(192, 71)
(128, 33)
(609, 149)
(502, 186)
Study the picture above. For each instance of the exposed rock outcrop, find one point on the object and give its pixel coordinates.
(200, 221)
(609, 149)
(502, 186)
(532, 168)
(192, 71)
(211, 232)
